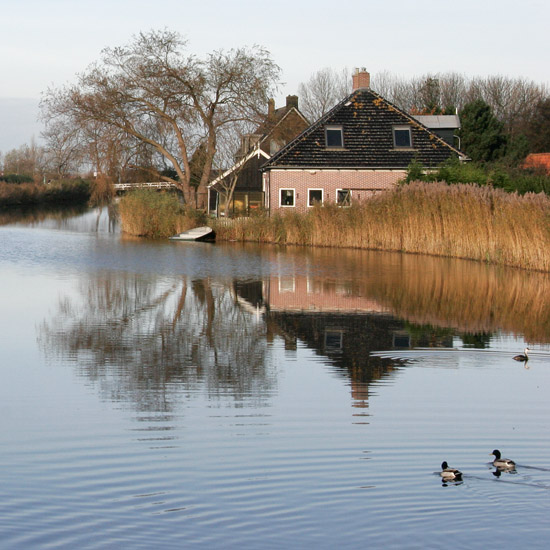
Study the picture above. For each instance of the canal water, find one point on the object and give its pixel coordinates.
(186, 395)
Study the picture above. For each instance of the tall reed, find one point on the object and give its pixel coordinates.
(156, 214)
(462, 221)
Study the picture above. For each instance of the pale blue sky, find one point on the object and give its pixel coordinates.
(46, 42)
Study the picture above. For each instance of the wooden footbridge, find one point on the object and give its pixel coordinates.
(121, 187)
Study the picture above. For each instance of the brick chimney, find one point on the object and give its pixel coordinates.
(292, 101)
(270, 107)
(361, 79)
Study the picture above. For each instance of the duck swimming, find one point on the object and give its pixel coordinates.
(504, 463)
(523, 356)
(449, 474)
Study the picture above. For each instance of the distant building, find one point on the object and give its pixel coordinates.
(280, 126)
(538, 161)
(445, 126)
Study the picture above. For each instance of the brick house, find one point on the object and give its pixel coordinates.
(361, 147)
(280, 126)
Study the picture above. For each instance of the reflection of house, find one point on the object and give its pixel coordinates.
(310, 293)
(445, 126)
(280, 126)
(336, 320)
(362, 146)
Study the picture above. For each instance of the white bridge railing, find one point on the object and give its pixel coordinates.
(151, 184)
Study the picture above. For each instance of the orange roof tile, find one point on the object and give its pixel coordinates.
(538, 160)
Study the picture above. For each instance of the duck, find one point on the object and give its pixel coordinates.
(504, 463)
(449, 474)
(523, 356)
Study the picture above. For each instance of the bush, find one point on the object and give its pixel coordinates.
(27, 194)
(497, 175)
(17, 178)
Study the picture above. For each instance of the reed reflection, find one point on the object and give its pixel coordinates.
(470, 297)
(146, 340)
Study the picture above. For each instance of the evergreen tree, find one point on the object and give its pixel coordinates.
(482, 134)
(538, 132)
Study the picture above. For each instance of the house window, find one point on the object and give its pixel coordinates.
(334, 339)
(286, 197)
(314, 196)
(334, 136)
(343, 197)
(402, 137)
(287, 284)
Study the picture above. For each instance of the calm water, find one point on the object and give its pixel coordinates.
(172, 395)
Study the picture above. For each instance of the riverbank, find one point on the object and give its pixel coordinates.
(30, 194)
(460, 220)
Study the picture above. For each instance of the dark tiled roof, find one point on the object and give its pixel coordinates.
(276, 119)
(367, 120)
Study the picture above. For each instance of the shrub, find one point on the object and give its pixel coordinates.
(17, 178)
(62, 192)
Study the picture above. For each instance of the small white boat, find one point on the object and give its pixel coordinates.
(196, 234)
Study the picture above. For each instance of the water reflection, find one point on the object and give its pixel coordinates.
(470, 297)
(158, 330)
(164, 330)
(136, 336)
(76, 218)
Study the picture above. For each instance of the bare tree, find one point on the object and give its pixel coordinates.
(28, 160)
(155, 92)
(323, 91)
(512, 100)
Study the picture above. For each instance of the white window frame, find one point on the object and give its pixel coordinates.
(293, 205)
(350, 197)
(401, 128)
(315, 189)
(340, 128)
(287, 284)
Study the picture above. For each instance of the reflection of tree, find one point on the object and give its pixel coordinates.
(149, 339)
(38, 214)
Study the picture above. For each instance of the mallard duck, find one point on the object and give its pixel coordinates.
(449, 473)
(504, 463)
(523, 356)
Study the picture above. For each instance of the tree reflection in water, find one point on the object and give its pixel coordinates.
(147, 338)
(136, 336)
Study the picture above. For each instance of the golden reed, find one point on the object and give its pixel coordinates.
(459, 220)
(150, 213)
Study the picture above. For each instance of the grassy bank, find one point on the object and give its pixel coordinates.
(462, 221)
(29, 194)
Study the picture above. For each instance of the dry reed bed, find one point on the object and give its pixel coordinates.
(461, 221)
(149, 213)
